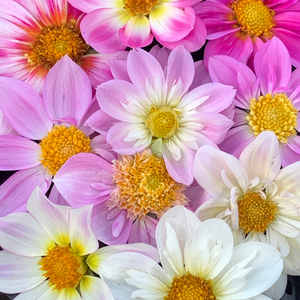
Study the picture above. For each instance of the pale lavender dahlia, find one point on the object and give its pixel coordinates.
(49, 130)
(114, 25)
(155, 108)
(239, 27)
(35, 34)
(265, 100)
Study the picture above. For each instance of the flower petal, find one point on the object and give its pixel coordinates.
(23, 108)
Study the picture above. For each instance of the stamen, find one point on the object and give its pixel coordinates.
(139, 7)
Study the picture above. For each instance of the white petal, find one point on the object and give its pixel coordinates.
(278, 288)
(69, 294)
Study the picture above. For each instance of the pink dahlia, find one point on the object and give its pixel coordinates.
(267, 100)
(114, 25)
(155, 108)
(35, 34)
(129, 195)
(50, 130)
(239, 27)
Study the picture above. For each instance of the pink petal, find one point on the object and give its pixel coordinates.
(82, 239)
(87, 5)
(100, 147)
(75, 179)
(92, 63)
(21, 234)
(15, 191)
(49, 12)
(193, 41)
(18, 274)
(119, 132)
(67, 91)
(23, 108)
(18, 153)
(113, 97)
(119, 70)
(272, 65)
(290, 152)
(229, 71)
(232, 44)
(237, 139)
(53, 218)
(292, 42)
(56, 198)
(143, 69)
(161, 54)
(102, 226)
(181, 170)
(100, 29)
(201, 75)
(136, 32)
(171, 24)
(180, 67)
(215, 126)
(5, 127)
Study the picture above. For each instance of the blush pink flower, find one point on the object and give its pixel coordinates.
(49, 130)
(34, 35)
(114, 25)
(153, 107)
(129, 195)
(239, 27)
(265, 100)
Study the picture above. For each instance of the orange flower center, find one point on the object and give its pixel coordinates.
(60, 144)
(190, 287)
(255, 213)
(54, 42)
(139, 7)
(63, 268)
(275, 114)
(253, 17)
(145, 186)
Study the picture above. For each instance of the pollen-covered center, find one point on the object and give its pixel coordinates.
(63, 268)
(190, 287)
(139, 7)
(144, 186)
(255, 213)
(275, 114)
(253, 17)
(54, 42)
(162, 122)
(60, 144)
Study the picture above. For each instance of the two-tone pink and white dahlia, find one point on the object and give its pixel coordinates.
(153, 107)
(49, 130)
(238, 28)
(114, 25)
(35, 34)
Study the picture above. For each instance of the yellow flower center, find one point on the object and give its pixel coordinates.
(253, 17)
(144, 186)
(255, 213)
(190, 287)
(162, 122)
(139, 7)
(60, 144)
(63, 268)
(275, 114)
(54, 42)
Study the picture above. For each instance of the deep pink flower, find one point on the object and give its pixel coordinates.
(153, 107)
(129, 195)
(265, 100)
(35, 34)
(113, 25)
(239, 27)
(56, 121)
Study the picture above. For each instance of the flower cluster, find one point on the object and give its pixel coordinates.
(133, 169)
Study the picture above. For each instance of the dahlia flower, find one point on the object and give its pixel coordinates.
(46, 252)
(129, 195)
(114, 25)
(198, 261)
(50, 130)
(253, 195)
(239, 27)
(155, 108)
(35, 34)
(267, 100)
